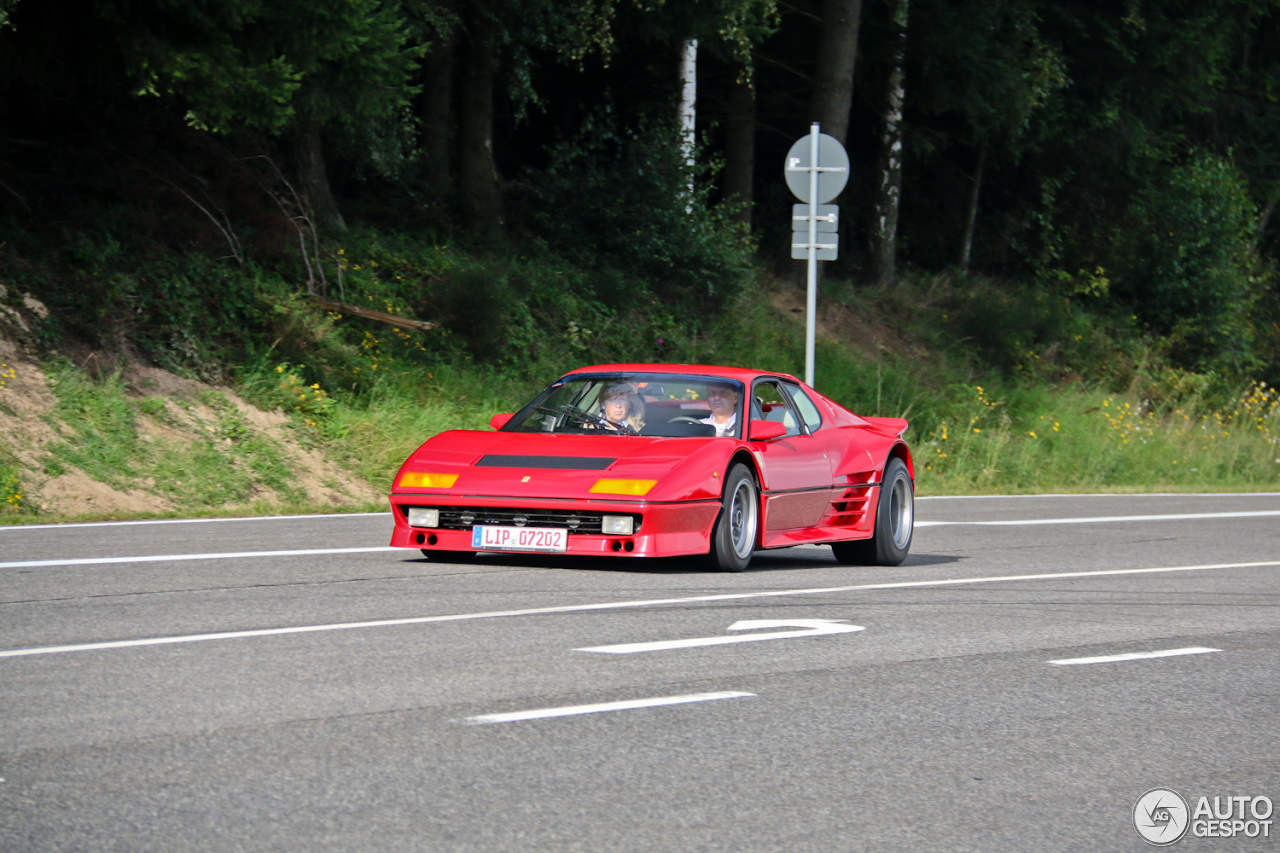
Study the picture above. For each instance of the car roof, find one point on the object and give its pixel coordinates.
(741, 374)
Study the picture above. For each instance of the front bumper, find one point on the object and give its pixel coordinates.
(664, 530)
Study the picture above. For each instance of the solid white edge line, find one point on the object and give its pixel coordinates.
(618, 605)
(1105, 495)
(1167, 653)
(164, 558)
(1101, 519)
(65, 526)
(223, 555)
(572, 710)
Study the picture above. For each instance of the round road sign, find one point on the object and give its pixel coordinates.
(831, 155)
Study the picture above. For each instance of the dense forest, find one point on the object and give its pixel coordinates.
(177, 177)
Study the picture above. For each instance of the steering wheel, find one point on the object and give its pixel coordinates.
(684, 419)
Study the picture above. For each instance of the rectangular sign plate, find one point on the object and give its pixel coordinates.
(828, 217)
(829, 244)
(550, 539)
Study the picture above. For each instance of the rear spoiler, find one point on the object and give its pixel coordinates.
(897, 426)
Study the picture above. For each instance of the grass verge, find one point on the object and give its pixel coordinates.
(1034, 425)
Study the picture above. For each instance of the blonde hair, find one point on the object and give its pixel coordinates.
(635, 405)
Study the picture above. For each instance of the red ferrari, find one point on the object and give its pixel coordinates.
(650, 460)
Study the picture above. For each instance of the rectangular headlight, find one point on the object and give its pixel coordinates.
(616, 525)
(637, 488)
(419, 517)
(420, 480)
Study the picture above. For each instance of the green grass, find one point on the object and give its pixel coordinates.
(98, 424)
(214, 463)
(1090, 440)
(374, 433)
(13, 492)
(1014, 431)
(1048, 420)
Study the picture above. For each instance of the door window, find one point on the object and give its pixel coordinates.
(771, 404)
(808, 411)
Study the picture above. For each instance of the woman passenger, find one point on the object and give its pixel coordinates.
(620, 405)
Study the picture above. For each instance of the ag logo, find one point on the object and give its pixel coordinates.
(1161, 816)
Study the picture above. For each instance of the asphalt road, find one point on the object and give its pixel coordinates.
(290, 684)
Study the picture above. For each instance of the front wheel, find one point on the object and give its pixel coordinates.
(895, 523)
(734, 536)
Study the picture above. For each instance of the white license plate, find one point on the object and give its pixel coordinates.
(552, 539)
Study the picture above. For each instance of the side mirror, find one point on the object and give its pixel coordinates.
(499, 421)
(765, 430)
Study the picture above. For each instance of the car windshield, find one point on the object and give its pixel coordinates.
(623, 404)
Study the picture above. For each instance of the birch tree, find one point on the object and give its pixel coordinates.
(888, 198)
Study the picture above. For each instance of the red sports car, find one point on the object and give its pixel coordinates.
(650, 460)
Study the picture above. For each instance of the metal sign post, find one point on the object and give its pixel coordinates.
(817, 170)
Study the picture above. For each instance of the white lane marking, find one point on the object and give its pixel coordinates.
(1167, 653)
(1105, 495)
(164, 558)
(619, 605)
(571, 710)
(56, 526)
(1103, 519)
(90, 561)
(811, 628)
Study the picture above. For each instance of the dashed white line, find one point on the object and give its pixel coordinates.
(1166, 653)
(618, 605)
(630, 704)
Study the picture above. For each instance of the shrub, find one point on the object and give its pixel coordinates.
(1186, 262)
(621, 200)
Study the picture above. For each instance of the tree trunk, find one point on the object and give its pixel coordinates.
(889, 192)
(437, 92)
(971, 215)
(837, 53)
(478, 187)
(308, 162)
(740, 145)
(688, 102)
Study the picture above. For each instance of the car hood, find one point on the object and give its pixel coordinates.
(514, 464)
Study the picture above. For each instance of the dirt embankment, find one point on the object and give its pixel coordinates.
(181, 414)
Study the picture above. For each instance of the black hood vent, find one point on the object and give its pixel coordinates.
(572, 463)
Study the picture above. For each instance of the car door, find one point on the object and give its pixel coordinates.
(795, 467)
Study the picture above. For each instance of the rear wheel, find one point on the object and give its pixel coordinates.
(895, 523)
(734, 536)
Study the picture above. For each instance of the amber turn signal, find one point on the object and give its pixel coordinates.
(420, 480)
(623, 487)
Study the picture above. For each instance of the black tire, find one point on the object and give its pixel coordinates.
(734, 536)
(448, 556)
(895, 523)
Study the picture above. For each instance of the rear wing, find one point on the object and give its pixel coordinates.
(896, 426)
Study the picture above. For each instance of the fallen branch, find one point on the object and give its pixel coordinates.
(370, 314)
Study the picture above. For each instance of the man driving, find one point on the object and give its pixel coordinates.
(722, 397)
